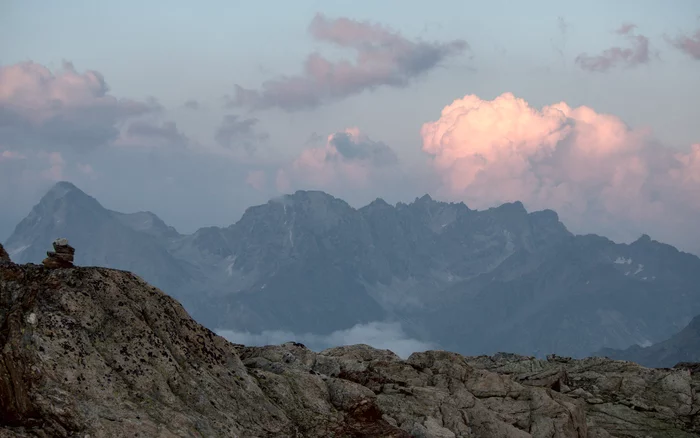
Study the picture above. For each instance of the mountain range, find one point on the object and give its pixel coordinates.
(475, 282)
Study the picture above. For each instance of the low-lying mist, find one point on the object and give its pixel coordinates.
(381, 335)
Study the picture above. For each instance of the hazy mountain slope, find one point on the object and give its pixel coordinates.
(472, 281)
(582, 296)
(683, 346)
(103, 237)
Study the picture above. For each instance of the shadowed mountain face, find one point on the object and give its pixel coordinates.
(682, 347)
(471, 281)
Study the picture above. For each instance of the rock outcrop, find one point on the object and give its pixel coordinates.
(621, 399)
(61, 256)
(4, 256)
(98, 352)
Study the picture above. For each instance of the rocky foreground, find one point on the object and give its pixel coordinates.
(98, 352)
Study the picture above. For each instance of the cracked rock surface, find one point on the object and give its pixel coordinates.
(622, 399)
(100, 353)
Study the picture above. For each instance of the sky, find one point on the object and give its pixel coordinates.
(198, 110)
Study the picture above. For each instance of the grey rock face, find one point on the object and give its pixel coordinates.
(470, 281)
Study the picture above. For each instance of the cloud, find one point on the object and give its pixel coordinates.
(349, 158)
(85, 169)
(144, 133)
(382, 58)
(559, 45)
(593, 169)
(41, 110)
(690, 45)
(613, 57)
(257, 179)
(57, 164)
(381, 335)
(11, 155)
(235, 132)
(192, 104)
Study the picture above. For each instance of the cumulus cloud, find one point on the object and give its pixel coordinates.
(235, 132)
(348, 158)
(597, 172)
(636, 54)
(42, 110)
(383, 57)
(381, 335)
(688, 44)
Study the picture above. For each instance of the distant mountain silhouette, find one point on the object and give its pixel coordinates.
(470, 281)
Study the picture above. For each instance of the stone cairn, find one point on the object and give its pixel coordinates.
(4, 256)
(61, 256)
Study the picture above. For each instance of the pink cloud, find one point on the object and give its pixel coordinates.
(591, 168)
(688, 44)
(11, 155)
(45, 110)
(348, 158)
(383, 58)
(636, 54)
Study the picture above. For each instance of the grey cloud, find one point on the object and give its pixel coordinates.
(147, 133)
(314, 138)
(381, 335)
(192, 104)
(235, 132)
(362, 148)
(383, 58)
(636, 54)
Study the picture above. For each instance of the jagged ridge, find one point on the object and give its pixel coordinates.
(470, 281)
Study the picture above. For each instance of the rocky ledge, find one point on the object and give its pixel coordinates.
(98, 352)
(4, 256)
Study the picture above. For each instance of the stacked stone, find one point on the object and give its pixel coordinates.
(61, 256)
(4, 256)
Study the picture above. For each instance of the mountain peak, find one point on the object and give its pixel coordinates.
(644, 238)
(379, 202)
(424, 199)
(61, 189)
